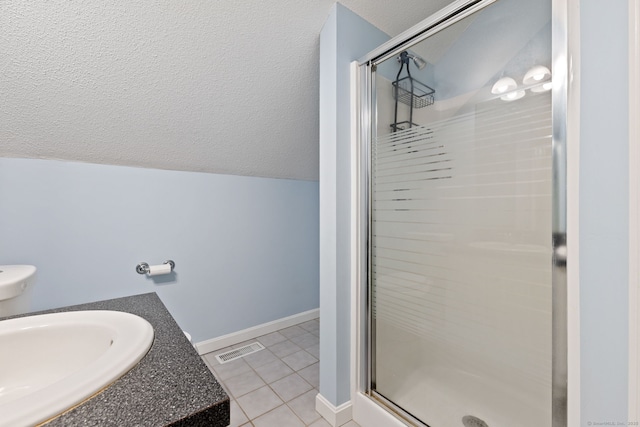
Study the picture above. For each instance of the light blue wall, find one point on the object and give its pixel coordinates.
(328, 203)
(246, 248)
(604, 207)
(345, 37)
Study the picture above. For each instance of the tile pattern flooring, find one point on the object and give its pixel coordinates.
(277, 386)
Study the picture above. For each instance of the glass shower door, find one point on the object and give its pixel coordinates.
(460, 227)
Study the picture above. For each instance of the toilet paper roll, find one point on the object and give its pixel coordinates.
(157, 270)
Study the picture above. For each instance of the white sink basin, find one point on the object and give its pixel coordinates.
(52, 362)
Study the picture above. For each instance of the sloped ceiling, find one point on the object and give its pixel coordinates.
(214, 86)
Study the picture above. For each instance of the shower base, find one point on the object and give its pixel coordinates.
(441, 389)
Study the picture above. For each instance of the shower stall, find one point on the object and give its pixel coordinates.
(462, 219)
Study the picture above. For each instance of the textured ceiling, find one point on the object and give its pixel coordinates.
(214, 86)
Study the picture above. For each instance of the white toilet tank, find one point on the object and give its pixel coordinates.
(16, 282)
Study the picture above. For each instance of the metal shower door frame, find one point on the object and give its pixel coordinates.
(365, 378)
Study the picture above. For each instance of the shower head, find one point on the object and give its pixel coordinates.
(418, 61)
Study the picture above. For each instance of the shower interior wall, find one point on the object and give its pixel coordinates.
(471, 320)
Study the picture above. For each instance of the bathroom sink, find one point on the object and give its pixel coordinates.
(51, 362)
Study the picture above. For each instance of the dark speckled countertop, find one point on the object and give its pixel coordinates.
(171, 386)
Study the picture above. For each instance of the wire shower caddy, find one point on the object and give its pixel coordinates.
(409, 91)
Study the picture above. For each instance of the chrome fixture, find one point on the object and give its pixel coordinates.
(417, 60)
(144, 268)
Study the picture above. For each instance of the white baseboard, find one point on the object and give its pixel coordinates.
(223, 341)
(336, 416)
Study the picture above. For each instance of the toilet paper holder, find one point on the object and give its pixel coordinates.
(143, 267)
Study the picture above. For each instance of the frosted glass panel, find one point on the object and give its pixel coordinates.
(461, 226)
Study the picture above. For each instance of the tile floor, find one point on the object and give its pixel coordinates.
(277, 386)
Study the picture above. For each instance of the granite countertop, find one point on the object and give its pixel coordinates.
(170, 386)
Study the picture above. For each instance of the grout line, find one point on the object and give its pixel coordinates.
(242, 410)
(235, 398)
(244, 413)
(294, 412)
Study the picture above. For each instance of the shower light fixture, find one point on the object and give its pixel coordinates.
(512, 96)
(537, 74)
(543, 87)
(504, 85)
